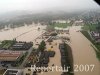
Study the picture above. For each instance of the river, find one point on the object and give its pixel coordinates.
(83, 53)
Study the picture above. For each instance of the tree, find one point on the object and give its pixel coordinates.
(42, 46)
(98, 27)
(38, 28)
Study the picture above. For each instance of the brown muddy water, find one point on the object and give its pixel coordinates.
(83, 54)
(25, 33)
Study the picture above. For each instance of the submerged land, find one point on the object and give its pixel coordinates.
(72, 42)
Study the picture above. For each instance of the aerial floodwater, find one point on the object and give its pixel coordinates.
(24, 33)
(85, 61)
(84, 56)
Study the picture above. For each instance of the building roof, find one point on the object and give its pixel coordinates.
(22, 46)
(9, 55)
(18, 45)
(12, 72)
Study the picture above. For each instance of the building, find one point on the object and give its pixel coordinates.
(59, 30)
(13, 72)
(96, 36)
(60, 21)
(22, 46)
(79, 22)
(10, 55)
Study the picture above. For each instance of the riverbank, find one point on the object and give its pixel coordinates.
(94, 45)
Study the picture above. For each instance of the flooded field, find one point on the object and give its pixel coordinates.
(25, 33)
(83, 53)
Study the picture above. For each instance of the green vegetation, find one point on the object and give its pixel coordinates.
(61, 25)
(2, 71)
(67, 59)
(85, 33)
(97, 45)
(90, 27)
(20, 61)
(98, 55)
(52, 26)
(42, 46)
(6, 44)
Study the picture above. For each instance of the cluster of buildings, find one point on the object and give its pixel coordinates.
(79, 22)
(8, 58)
(96, 36)
(14, 55)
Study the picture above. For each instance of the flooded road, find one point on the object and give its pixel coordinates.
(83, 53)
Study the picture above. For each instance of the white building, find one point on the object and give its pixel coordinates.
(60, 21)
(13, 72)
